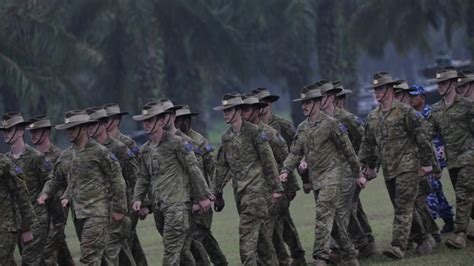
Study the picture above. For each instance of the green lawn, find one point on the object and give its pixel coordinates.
(376, 204)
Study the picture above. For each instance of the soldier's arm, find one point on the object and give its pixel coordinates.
(270, 167)
(208, 160)
(414, 126)
(129, 165)
(221, 174)
(20, 195)
(356, 131)
(367, 153)
(115, 182)
(142, 185)
(279, 149)
(56, 182)
(295, 156)
(342, 142)
(288, 132)
(188, 160)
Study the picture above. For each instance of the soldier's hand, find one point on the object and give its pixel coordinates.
(143, 212)
(283, 177)
(196, 208)
(117, 216)
(26, 236)
(42, 199)
(276, 196)
(205, 205)
(219, 203)
(307, 187)
(303, 168)
(370, 173)
(291, 195)
(361, 181)
(65, 203)
(137, 205)
(426, 170)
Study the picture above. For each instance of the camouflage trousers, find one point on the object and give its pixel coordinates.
(32, 252)
(423, 223)
(56, 251)
(278, 230)
(135, 246)
(290, 234)
(341, 220)
(173, 222)
(204, 236)
(254, 230)
(403, 191)
(359, 228)
(326, 200)
(119, 232)
(7, 247)
(93, 234)
(463, 183)
(264, 254)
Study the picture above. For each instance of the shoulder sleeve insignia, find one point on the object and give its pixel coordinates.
(48, 165)
(264, 136)
(209, 148)
(136, 150)
(343, 128)
(188, 146)
(18, 170)
(359, 121)
(130, 154)
(113, 157)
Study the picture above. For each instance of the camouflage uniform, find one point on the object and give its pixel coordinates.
(34, 166)
(455, 123)
(325, 146)
(129, 142)
(56, 249)
(13, 191)
(95, 190)
(246, 157)
(358, 228)
(204, 150)
(287, 130)
(397, 139)
(171, 171)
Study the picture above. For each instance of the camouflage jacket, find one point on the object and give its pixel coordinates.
(280, 152)
(205, 150)
(13, 191)
(284, 127)
(397, 139)
(354, 125)
(128, 163)
(246, 157)
(325, 146)
(129, 142)
(55, 208)
(94, 181)
(455, 123)
(167, 169)
(33, 166)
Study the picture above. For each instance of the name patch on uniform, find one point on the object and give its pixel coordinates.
(264, 136)
(113, 157)
(209, 148)
(343, 128)
(18, 170)
(188, 146)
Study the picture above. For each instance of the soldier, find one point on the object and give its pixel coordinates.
(170, 170)
(395, 138)
(287, 130)
(113, 122)
(246, 157)
(56, 250)
(324, 144)
(401, 91)
(119, 232)
(436, 200)
(359, 228)
(465, 84)
(347, 185)
(13, 191)
(114, 119)
(34, 166)
(205, 150)
(95, 187)
(453, 118)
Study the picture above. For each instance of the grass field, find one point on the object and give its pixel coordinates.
(376, 204)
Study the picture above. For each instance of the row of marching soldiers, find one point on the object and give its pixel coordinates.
(108, 183)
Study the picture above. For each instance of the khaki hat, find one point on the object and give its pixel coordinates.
(311, 91)
(167, 105)
(74, 118)
(150, 110)
(443, 74)
(185, 111)
(465, 77)
(230, 100)
(381, 79)
(402, 86)
(337, 84)
(327, 87)
(251, 99)
(39, 121)
(264, 94)
(96, 113)
(12, 119)
(344, 92)
(113, 109)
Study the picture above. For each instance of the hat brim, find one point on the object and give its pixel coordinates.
(309, 98)
(271, 98)
(145, 117)
(222, 108)
(190, 114)
(258, 105)
(434, 81)
(174, 108)
(15, 125)
(462, 83)
(121, 113)
(73, 124)
(41, 127)
(373, 86)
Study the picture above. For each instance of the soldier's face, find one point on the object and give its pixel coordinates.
(417, 100)
(340, 102)
(148, 124)
(11, 135)
(183, 123)
(267, 108)
(383, 92)
(112, 123)
(92, 129)
(402, 97)
(230, 114)
(247, 112)
(444, 86)
(38, 135)
(327, 101)
(309, 106)
(465, 89)
(72, 133)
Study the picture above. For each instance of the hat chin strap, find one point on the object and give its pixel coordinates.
(233, 116)
(40, 138)
(78, 133)
(96, 130)
(468, 91)
(153, 129)
(14, 134)
(448, 89)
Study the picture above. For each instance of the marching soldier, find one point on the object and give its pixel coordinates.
(95, 187)
(56, 250)
(113, 122)
(465, 84)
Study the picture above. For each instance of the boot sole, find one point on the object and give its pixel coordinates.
(391, 255)
(449, 244)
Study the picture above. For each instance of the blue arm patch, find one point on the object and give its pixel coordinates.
(264, 136)
(188, 146)
(130, 154)
(113, 157)
(136, 150)
(197, 150)
(360, 121)
(18, 170)
(343, 128)
(419, 115)
(209, 148)
(48, 165)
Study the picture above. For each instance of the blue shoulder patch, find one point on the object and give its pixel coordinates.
(188, 146)
(197, 150)
(48, 165)
(264, 136)
(113, 157)
(136, 150)
(18, 170)
(360, 121)
(419, 115)
(209, 148)
(130, 154)
(343, 128)
(279, 138)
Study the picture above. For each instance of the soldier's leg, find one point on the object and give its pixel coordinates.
(266, 250)
(94, 237)
(117, 242)
(32, 252)
(453, 176)
(64, 255)
(134, 245)
(51, 246)
(291, 236)
(176, 225)
(7, 247)
(325, 199)
(464, 199)
(199, 252)
(205, 237)
(277, 238)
